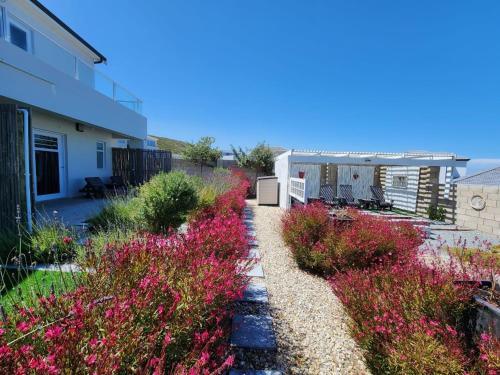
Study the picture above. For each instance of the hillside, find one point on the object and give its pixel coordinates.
(170, 144)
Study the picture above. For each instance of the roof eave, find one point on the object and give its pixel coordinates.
(100, 56)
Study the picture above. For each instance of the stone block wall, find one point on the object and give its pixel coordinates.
(478, 207)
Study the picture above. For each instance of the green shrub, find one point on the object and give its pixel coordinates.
(436, 213)
(120, 212)
(166, 200)
(52, 241)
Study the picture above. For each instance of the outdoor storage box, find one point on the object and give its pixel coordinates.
(267, 190)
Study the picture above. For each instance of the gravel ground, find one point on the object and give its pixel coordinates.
(310, 323)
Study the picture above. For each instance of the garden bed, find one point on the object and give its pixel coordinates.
(410, 317)
(154, 302)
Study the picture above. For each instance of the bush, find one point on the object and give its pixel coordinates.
(320, 246)
(308, 231)
(52, 241)
(405, 315)
(166, 200)
(119, 212)
(155, 304)
(436, 213)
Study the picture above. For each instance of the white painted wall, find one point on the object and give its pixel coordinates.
(312, 176)
(281, 171)
(81, 157)
(27, 79)
(404, 198)
(43, 25)
(361, 184)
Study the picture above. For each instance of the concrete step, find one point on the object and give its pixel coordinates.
(255, 293)
(253, 332)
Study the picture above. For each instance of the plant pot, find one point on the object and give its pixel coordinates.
(302, 174)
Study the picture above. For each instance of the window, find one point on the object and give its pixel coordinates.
(151, 143)
(101, 150)
(19, 35)
(400, 182)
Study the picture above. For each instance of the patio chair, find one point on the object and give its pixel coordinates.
(117, 184)
(94, 187)
(326, 195)
(345, 197)
(378, 197)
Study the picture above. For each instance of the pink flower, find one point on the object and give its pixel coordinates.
(53, 332)
(90, 359)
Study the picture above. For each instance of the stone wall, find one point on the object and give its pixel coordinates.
(478, 207)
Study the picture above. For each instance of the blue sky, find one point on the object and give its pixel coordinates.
(338, 75)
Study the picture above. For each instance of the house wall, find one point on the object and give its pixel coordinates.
(361, 184)
(81, 157)
(312, 175)
(51, 42)
(404, 198)
(485, 219)
(281, 171)
(28, 80)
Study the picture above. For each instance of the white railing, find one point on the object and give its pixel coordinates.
(298, 189)
(55, 55)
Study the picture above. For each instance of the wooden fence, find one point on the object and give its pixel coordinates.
(11, 165)
(137, 166)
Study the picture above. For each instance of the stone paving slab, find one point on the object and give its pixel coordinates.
(255, 293)
(251, 233)
(254, 372)
(253, 332)
(254, 253)
(253, 243)
(256, 271)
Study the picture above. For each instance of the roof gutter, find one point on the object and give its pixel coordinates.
(102, 58)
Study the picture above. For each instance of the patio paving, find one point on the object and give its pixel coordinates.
(70, 211)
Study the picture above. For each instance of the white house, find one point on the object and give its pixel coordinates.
(75, 112)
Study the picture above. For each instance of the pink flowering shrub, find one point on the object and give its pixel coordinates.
(311, 236)
(156, 304)
(408, 317)
(489, 355)
(321, 246)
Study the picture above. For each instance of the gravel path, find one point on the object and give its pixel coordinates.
(310, 323)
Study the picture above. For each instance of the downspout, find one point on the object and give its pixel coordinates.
(27, 183)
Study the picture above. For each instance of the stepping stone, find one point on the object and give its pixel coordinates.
(253, 243)
(251, 233)
(256, 271)
(254, 372)
(253, 332)
(255, 293)
(253, 253)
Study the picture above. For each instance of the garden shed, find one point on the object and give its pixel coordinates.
(413, 180)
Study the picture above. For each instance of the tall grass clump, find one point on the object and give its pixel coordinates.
(119, 212)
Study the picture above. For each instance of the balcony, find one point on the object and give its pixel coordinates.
(50, 52)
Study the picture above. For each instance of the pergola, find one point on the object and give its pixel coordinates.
(307, 186)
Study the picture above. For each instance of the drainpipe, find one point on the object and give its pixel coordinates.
(27, 183)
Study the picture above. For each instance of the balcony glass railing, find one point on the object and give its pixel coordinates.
(60, 58)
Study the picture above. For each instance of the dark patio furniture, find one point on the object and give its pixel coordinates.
(378, 197)
(366, 203)
(117, 184)
(345, 197)
(327, 195)
(94, 187)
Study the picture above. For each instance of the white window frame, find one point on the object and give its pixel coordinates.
(398, 186)
(103, 151)
(21, 25)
